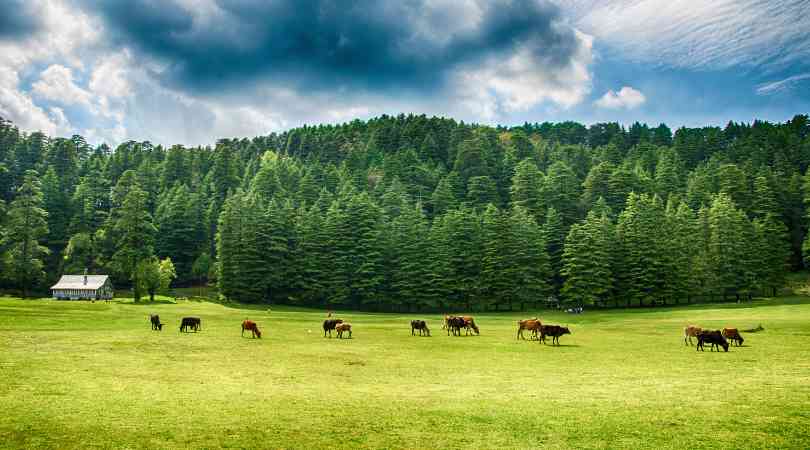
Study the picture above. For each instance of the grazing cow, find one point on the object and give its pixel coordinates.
(555, 331)
(329, 325)
(469, 325)
(156, 325)
(341, 327)
(254, 329)
(712, 337)
(190, 323)
(532, 325)
(690, 332)
(733, 334)
(420, 325)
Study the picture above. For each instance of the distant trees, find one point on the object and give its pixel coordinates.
(410, 212)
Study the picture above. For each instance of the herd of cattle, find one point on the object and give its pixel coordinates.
(455, 324)
(716, 338)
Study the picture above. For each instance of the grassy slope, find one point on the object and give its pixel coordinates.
(94, 375)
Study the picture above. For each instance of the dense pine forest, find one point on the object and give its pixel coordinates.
(412, 212)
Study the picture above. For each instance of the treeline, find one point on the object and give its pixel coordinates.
(416, 212)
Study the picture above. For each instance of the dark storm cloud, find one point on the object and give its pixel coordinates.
(17, 20)
(312, 44)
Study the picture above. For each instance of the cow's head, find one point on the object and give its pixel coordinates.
(565, 330)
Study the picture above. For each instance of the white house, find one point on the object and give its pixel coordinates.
(87, 287)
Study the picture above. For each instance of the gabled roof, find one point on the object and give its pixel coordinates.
(77, 282)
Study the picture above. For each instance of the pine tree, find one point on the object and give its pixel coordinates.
(528, 259)
(728, 245)
(596, 185)
(445, 197)
(771, 257)
(26, 226)
(494, 284)
(409, 277)
(639, 240)
(482, 191)
(561, 190)
(134, 235)
(764, 200)
(587, 258)
(526, 186)
(554, 235)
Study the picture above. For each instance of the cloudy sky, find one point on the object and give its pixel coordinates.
(192, 71)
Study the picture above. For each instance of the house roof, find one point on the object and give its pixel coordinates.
(77, 282)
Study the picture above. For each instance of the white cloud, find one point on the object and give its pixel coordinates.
(781, 85)
(111, 94)
(56, 84)
(701, 34)
(626, 98)
(521, 82)
(66, 37)
(20, 108)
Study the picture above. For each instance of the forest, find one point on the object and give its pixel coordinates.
(410, 212)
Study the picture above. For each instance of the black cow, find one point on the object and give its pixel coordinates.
(715, 338)
(329, 325)
(190, 323)
(555, 331)
(454, 325)
(156, 325)
(420, 325)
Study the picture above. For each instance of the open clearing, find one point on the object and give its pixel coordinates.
(76, 374)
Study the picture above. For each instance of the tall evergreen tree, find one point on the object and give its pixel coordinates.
(134, 235)
(26, 226)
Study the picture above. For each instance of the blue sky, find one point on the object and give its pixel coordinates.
(192, 71)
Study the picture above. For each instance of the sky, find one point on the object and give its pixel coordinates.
(193, 71)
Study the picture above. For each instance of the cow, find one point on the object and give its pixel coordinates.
(532, 325)
(454, 324)
(715, 338)
(329, 325)
(469, 325)
(420, 325)
(555, 331)
(341, 327)
(156, 325)
(254, 329)
(733, 334)
(190, 323)
(690, 332)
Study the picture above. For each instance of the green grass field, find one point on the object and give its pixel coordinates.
(79, 375)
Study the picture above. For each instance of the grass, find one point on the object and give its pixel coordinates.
(79, 375)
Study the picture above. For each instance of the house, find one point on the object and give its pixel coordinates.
(87, 287)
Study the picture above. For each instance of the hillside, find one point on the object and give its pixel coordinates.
(414, 212)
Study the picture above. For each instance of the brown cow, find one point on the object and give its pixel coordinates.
(341, 327)
(690, 332)
(469, 324)
(254, 329)
(532, 325)
(732, 334)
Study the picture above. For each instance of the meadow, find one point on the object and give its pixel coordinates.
(93, 375)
